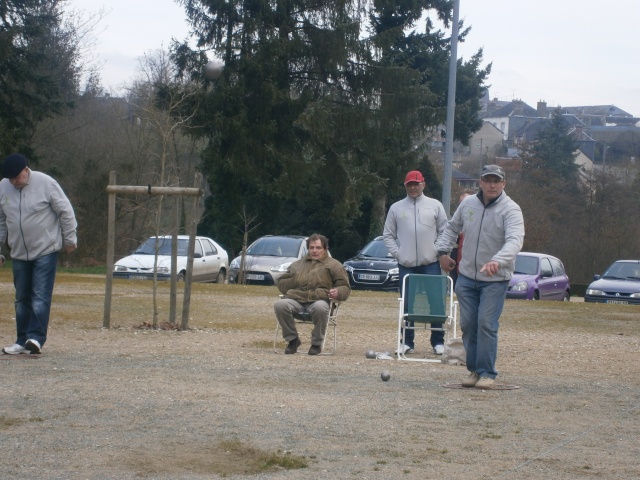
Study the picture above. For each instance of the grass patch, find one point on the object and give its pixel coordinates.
(7, 422)
(225, 459)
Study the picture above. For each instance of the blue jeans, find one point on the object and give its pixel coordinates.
(437, 338)
(481, 305)
(33, 281)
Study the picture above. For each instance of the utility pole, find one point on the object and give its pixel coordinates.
(451, 110)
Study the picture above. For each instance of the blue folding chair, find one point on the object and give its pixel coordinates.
(426, 299)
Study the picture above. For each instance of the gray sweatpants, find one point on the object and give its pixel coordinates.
(287, 310)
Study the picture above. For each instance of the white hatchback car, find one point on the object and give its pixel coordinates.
(210, 260)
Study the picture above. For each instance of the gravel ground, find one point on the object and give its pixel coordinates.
(130, 403)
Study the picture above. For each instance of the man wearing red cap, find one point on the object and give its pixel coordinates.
(410, 232)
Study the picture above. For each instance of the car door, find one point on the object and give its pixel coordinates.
(560, 277)
(547, 285)
(212, 260)
(199, 273)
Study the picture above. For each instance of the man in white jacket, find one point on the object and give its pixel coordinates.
(410, 232)
(493, 230)
(37, 221)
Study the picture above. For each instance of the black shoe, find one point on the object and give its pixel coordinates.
(292, 347)
(315, 350)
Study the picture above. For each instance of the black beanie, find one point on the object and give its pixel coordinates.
(13, 165)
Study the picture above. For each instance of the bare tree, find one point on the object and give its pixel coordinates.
(248, 226)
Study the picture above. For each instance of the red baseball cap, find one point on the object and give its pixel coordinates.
(413, 176)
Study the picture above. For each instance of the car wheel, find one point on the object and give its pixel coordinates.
(221, 276)
(566, 297)
(536, 295)
(181, 276)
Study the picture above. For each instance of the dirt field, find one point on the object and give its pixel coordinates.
(217, 402)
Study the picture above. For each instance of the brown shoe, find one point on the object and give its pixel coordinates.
(471, 380)
(315, 350)
(292, 346)
(485, 383)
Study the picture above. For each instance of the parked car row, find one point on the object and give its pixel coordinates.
(536, 277)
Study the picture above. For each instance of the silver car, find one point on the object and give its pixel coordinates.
(210, 260)
(268, 258)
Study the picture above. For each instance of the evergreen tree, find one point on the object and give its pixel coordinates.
(39, 71)
(314, 121)
(553, 153)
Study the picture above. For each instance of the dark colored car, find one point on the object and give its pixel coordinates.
(539, 277)
(268, 258)
(373, 268)
(620, 283)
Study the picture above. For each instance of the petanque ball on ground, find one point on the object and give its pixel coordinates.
(370, 354)
(385, 376)
(212, 70)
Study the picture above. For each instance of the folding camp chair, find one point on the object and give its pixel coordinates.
(426, 299)
(303, 318)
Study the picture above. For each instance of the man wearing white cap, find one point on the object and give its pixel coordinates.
(410, 232)
(37, 221)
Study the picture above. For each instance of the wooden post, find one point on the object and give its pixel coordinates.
(112, 190)
(174, 263)
(192, 242)
(111, 233)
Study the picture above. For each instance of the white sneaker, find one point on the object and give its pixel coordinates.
(438, 349)
(14, 349)
(405, 349)
(32, 345)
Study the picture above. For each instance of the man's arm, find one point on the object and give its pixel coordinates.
(63, 208)
(287, 281)
(390, 233)
(447, 238)
(341, 289)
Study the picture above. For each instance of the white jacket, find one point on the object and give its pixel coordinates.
(37, 219)
(411, 229)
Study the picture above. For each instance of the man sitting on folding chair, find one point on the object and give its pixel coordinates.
(308, 286)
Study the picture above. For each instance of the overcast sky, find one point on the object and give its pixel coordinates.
(564, 52)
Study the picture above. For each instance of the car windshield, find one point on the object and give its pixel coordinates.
(375, 249)
(163, 246)
(526, 265)
(275, 247)
(623, 271)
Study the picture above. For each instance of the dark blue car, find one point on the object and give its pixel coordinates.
(373, 268)
(620, 284)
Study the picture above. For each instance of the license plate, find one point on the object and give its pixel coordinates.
(618, 302)
(367, 276)
(254, 276)
(138, 277)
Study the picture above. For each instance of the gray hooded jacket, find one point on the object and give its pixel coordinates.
(493, 232)
(37, 219)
